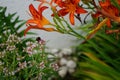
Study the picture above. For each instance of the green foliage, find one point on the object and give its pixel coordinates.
(10, 24)
(24, 61)
(99, 58)
(21, 59)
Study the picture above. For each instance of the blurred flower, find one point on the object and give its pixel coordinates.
(16, 63)
(38, 20)
(50, 57)
(63, 71)
(42, 65)
(107, 10)
(118, 2)
(2, 54)
(66, 62)
(71, 7)
(1, 63)
(29, 50)
(22, 65)
(5, 71)
(71, 70)
(29, 43)
(11, 48)
(13, 38)
(31, 47)
(12, 73)
(55, 66)
(66, 51)
(71, 64)
(63, 61)
(20, 57)
(66, 66)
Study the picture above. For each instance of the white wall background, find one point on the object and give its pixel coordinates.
(55, 40)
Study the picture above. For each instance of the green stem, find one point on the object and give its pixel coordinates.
(77, 34)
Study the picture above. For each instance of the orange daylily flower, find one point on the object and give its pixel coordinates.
(108, 10)
(69, 6)
(118, 2)
(38, 21)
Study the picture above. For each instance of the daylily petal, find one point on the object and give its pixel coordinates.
(60, 3)
(49, 29)
(69, 6)
(116, 11)
(75, 1)
(104, 4)
(52, 1)
(71, 17)
(36, 27)
(38, 21)
(80, 10)
(35, 22)
(118, 2)
(109, 15)
(32, 21)
(62, 12)
(28, 28)
(56, 1)
(44, 21)
(96, 15)
(41, 9)
(34, 12)
(108, 23)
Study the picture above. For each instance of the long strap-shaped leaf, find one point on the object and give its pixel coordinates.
(97, 28)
